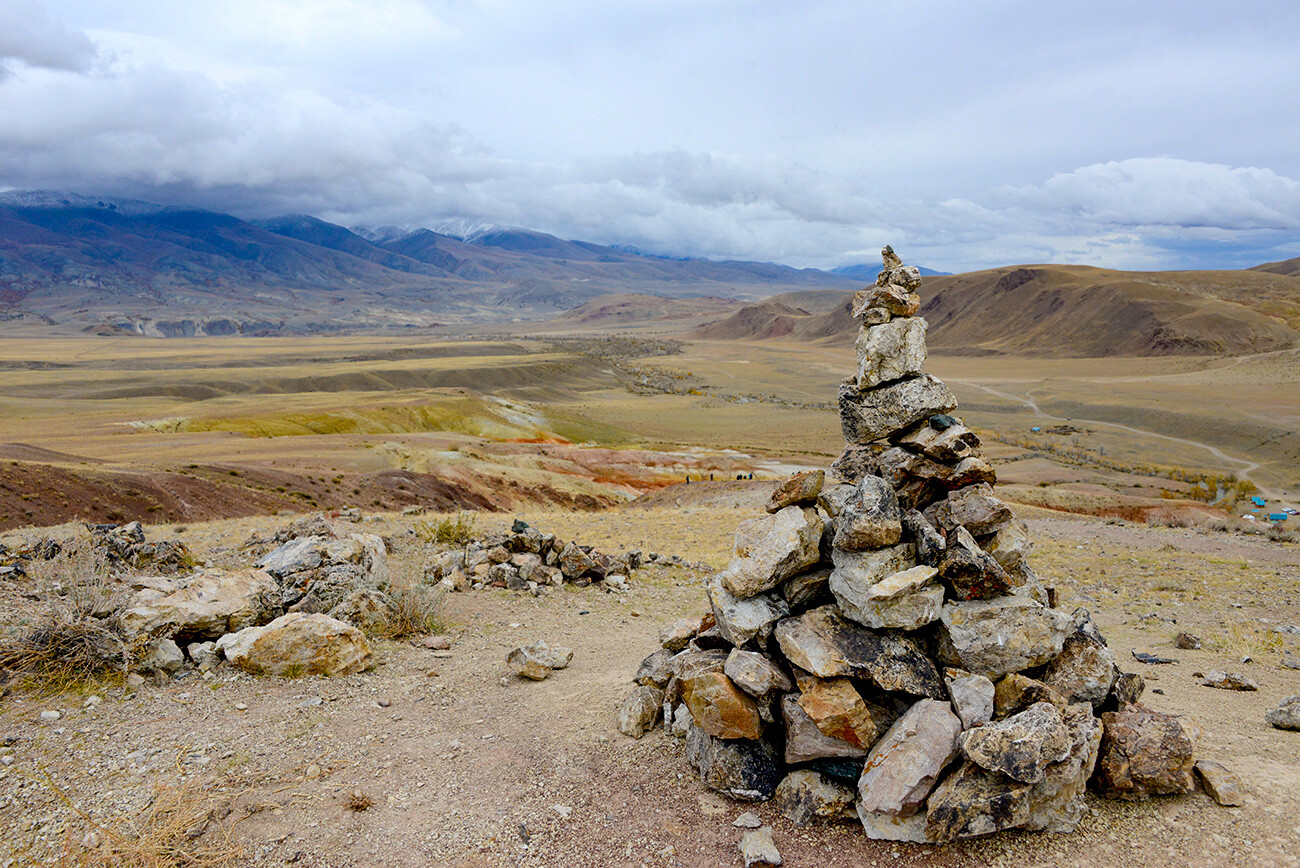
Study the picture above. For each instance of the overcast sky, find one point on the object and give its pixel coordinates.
(967, 134)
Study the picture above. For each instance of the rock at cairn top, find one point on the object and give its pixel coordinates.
(871, 637)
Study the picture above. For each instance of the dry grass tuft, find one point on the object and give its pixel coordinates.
(416, 610)
(78, 639)
(171, 830)
(456, 530)
(358, 801)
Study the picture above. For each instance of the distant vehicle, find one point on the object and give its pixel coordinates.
(1291, 510)
(1036, 429)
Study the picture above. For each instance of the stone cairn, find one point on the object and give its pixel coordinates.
(882, 648)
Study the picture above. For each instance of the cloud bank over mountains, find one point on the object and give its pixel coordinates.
(1063, 132)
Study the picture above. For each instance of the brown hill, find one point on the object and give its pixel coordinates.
(616, 308)
(769, 319)
(1059, 310)
(1289, 267)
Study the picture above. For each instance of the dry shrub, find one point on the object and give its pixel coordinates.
(416, 609)
(172, 830)
(456, 530)
(72, 645)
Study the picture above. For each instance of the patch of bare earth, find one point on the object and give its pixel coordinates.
(452, 760)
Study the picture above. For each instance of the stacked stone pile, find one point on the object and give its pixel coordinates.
(883, 647)
(120, 548)
(527, 559)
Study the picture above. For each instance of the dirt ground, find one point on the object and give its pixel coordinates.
(463, 764)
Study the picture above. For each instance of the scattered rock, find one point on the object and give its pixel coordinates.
(1219, 783)
(805, 795)
(1286, 715)
(1187, 642)
(747, 820)
(536, 661)
(640, 711)
(1228, 681)
(758, 849)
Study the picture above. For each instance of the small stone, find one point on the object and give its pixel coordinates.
(720, 708)
(563, 810)
(742, 768)
(747, 820)
(1286, 715)
(436, 643)
(972, 699)
(1219, 783)
(1187, 642)
(240, 706)
(758, 848)
(755, 674)
(536, 661)
(50, 715)
(679, 634)
(1228, 681)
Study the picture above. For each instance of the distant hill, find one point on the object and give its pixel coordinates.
(1289, 267)
(636, 308)
(1055, 310)
(113, 266)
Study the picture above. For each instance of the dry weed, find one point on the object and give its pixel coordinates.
(456, 530)
(416, 609)
(171, 830)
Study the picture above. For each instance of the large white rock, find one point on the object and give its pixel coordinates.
(772, 548)
(904, 765)
(1006, 634)
(211, 604)
(298, 644)
(890, 351)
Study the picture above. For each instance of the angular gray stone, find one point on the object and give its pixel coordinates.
(856, 573)
(832, 497)
(367, 609)
(972, 699)
(1021, 746)
(869, 518)
(920, 481)
(948, 444)
(738, 620)
(755, 674)
(929, 543)
(211, 604)
(1083, 672)
(298, 644)
(826, 644)
(655, 670)
(804, 741)
(1056, 803)
(743, 769)
(973, 801)
(906, 600)
(969, 572)
(1011, 546)
(889, 827)
(856, 461)
(679, 634)
(536, 661)
(773, 548)
(894, 300)
(890, 351)
(1015, 692)
(1228, 680)
(903, 766)
(163, 656)
(640, 711)
(995, 637)
(803, 590)
(1286, 714)
(867, 415)
(758, 849)
(804, 796)
(974, 508)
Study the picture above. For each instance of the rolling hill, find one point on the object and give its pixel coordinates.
(1063, 311)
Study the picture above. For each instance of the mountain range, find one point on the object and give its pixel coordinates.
(127, 266)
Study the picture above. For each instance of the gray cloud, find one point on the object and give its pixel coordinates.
(28, 36)
(969, 135)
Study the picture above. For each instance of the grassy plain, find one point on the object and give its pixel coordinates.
(299, 423)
